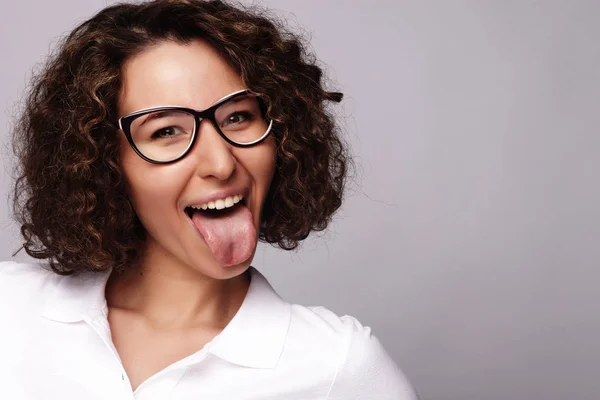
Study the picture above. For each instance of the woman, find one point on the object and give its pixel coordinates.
(158, 145)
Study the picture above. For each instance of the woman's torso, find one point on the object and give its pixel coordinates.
(57, 342)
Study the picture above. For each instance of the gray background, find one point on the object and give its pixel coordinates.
(470, 239)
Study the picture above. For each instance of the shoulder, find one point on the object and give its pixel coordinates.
(363, 368)
(29, 274)
(11, 271)
(24, 285)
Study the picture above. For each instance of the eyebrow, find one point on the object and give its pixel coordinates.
(157, 114)
(237, 99)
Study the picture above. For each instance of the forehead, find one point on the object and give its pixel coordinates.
(190, 75)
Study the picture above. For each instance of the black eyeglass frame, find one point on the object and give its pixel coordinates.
(199, 115)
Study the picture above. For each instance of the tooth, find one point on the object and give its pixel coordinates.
(236, 199)
(229, 201)
(204, 206)
(241, 197)
(211, 205)
(220, 204)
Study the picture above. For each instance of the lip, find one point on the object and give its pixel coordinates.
(217, 195)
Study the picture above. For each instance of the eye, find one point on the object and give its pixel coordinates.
(166, 132)
(237, 118)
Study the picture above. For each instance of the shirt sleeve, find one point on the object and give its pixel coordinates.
(366, 371)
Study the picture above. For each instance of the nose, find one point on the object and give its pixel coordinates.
(214, 155)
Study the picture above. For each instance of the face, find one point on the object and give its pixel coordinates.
(217, 244)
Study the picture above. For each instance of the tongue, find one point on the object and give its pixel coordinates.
(231, 236)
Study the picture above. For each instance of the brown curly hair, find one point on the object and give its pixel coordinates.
(70, 194)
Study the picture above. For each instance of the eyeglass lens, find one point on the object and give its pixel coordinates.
(166, 135)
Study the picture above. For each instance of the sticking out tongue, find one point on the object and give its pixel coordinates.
(230, 233)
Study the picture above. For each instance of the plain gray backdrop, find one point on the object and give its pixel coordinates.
(470, 240)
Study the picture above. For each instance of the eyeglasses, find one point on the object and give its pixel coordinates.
(163, 135)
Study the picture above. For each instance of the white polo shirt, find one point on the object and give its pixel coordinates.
(55, 343)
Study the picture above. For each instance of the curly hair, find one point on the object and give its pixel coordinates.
(70, 193)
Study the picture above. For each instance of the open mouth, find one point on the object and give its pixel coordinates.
(214, 212)
(227, 227)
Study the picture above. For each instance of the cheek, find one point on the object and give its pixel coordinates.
(259, 161)
(153, 188)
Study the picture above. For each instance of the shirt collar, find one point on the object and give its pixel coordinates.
(76, 296)
(255, 337)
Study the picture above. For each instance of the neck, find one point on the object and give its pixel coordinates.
(170, 295)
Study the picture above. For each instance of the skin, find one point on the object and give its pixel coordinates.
(179, 296)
